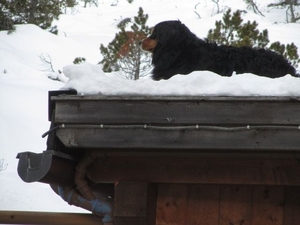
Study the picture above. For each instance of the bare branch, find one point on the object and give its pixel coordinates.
(3, 165)
(252, 4)
(217, 3)
(46, 62)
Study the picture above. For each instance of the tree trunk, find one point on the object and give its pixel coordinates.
(31, 13)
(291, 7)
(138, 62)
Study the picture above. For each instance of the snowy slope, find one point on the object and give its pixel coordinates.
(24, 83)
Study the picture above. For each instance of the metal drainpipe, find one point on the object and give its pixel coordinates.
(96, 206)
(84, 197)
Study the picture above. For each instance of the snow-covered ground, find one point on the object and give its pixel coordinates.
(24, 82)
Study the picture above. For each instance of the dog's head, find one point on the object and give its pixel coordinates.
(168, 42)
(165, 34)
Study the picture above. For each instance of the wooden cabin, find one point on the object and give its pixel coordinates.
(169, 160)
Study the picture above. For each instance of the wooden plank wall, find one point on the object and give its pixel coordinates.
(179, 204)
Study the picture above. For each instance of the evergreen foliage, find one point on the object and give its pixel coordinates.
(79, 60)
(6, 21)
(290, 51)
(232, 31)
(38, 12)
(123, 53)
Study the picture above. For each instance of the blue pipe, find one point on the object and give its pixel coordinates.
(95, 206)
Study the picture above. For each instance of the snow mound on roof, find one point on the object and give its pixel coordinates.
(90, 79)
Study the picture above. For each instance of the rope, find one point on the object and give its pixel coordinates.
(188, 127)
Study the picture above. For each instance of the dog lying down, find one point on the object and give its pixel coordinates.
(176, 50)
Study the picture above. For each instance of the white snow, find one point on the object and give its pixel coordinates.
(24, 83)
(90, 79)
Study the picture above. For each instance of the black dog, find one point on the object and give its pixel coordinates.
(176, 50)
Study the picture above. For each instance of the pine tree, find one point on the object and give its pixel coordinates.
(6, 21)
(38, 12)
(79, 60)
(232, 31)
(290, 51)
(123, 53)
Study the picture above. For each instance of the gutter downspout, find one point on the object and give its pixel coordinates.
(96, 206)
(84, 197)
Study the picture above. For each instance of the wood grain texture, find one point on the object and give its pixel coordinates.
(292, 206)
(203, 204)
(267, 205)
(18, 217)
(172, 204)
(180, 139)
(193, 189)
(196, 169)
(135, 203)
(177, 110)
(235, 205)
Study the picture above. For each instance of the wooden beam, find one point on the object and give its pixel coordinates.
(177, 110)
(180, 139)
(197, 170)
(21, 217)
